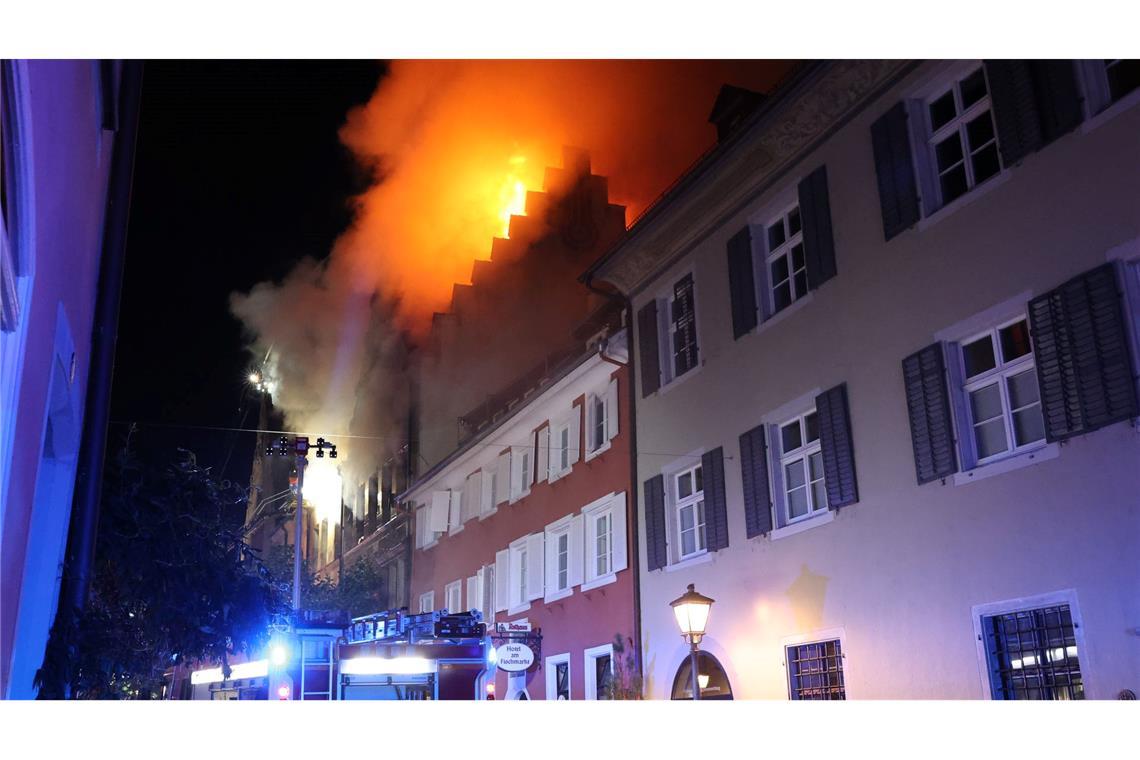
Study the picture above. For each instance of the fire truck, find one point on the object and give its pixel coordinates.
(383, 656)
(432, 655)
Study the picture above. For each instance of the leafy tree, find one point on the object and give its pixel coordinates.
(173, 581)
(361, 590)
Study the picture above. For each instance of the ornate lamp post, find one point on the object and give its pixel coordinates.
(692, 612)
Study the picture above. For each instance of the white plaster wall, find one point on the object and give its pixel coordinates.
(899, 571)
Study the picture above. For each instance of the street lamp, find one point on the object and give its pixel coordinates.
(692, 612)
(300, 447)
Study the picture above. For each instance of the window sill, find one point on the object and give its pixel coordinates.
(782, 314)
(517, 610)
(430, 544)
(599, 451)
(604, 580)
(520, 496)
(1015, 462)
(681, 379)
(959, 203)
(684, 564)
(453, 531)
(554, 597)
(488, 513)
(1108, 114)
(799, 527)
(557, 476)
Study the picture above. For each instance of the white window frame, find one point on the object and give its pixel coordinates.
(518, 581)
(1000, 374)
(455, 512)
(695, 500)
(522, 471)
(784, 250)
(941, 77)
(595, 403)
(555, 533)
(570, 453)
(1098, 105)
(487, 505)
(502, 482)
(427, 601)
(426, 538)
(610, 405)
(588, 657)
(610, 508)
(475, 591)
(487, 593)
(1008, 606)
(803, 454)
(454, 588)
(552, 676)
(472, 496)
(951, 83)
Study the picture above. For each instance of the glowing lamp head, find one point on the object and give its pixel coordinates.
(283, 692)
(254, 378)
(703, 680)
(692, 612)
(278, 655)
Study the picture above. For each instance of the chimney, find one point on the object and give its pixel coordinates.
(732, 107)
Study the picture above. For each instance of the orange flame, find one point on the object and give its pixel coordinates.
(512, 196)
(458, 144)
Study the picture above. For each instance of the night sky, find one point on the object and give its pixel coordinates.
(238, 174)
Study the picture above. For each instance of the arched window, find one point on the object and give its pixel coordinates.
(711, 679)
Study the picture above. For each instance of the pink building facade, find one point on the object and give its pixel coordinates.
(530, 522)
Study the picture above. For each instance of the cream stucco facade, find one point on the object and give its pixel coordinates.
(904, 576)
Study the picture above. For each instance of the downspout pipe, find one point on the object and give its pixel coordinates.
(635, 541)
(80, 556)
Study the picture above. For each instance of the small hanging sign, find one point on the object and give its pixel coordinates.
(514, 656)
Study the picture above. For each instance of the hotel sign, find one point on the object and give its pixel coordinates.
(514, 656)
(512, 627)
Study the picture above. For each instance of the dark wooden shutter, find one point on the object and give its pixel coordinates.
(1015, 109)
(741, 282)
(1058, 96)
(716, 514)
(836, 447)
(1080, 347)
(894, 169)
(754, 473)
(655, 548)
(815, 214)
(647, 343)
(684, 326)
(1034, 103)
(928, 406)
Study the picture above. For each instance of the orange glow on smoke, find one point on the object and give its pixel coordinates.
(454, 147)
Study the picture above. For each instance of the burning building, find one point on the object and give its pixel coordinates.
(519, 310)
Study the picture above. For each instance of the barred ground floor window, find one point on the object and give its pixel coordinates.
(815, 670)
(1033, 654)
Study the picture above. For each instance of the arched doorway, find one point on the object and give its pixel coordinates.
(711, 679)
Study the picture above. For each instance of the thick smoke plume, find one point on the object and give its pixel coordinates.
(453, 146)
